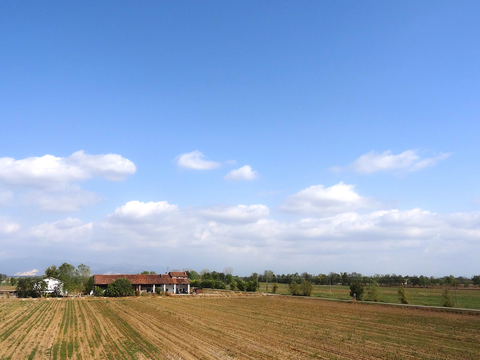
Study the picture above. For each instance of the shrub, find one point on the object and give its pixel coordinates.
(275, 288)
(30, 287)
(98, 291)
(402, 295)
(89, 285)
(195, 283)
(219, 284)
(208, 283)
(294, 289)
(233, 285)
(158, 290)
(241, 284)
(448, 300)
(306, 288)
(120, 287)
(251, 285)
(373, 293)
(356, 290)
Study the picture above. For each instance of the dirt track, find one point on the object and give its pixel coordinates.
(233, 327)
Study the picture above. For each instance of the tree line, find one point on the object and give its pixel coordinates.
(74, 280)
(347, 279)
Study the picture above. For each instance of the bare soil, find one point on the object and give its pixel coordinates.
(233, 327)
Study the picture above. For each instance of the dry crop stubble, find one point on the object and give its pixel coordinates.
(272, 327)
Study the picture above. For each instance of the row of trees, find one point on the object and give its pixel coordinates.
(371, 292)
(345, 278)
(74, 280)
(215, 280)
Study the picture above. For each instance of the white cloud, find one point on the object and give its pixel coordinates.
(139, 210)
(50, 182)
(66, 199)
(33, 272)
(196, 160)
(335, 199)
(238, 213)
(8, 227)
(244, 173)
(244, 237)
(69, 230)
(49, 170)
(406, 161)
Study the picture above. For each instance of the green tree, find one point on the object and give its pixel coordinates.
(98, 291)
(31, 287)
(294, 289)
(120, 287)
(448, 299)
(275, 288)
(233, 285)
(208, 283)
(241, 284)
(306, 288)
(193, 275)
(89, 285)
(68, 275)
(229, 278)
(402, 295)
(356, 290)
(251, 285)
(195, 283)
(52, 272)
(219, 284)
(373, 292)
(145, 273)
(13, 281)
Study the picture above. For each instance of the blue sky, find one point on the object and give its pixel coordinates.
(351, 130)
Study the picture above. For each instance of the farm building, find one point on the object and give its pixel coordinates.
(175, 282)
(54, 286)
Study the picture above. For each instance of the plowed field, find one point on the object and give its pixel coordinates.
(270, 327)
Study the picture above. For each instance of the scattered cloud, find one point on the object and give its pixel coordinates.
(7, 227)
(140, 210)
(50, 182)
(196, 160)
(406, 161)
(238, 213)
(65, 231)
(242, 235)
(331, 200)
(66, 199)
(49, 170)
(33, 272)
(244, 173)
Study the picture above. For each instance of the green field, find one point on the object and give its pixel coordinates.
(466, 298)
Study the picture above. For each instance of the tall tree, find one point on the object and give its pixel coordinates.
(52, 272)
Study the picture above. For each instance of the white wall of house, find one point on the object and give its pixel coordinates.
(54, 285)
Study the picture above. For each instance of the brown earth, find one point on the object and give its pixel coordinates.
(234, 327)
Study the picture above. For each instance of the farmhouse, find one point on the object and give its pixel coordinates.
(175, 282)
(54, 286)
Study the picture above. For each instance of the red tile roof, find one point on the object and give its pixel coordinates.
(181, 274)
(140, 279)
